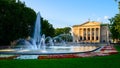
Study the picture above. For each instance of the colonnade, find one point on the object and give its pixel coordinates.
(89, 34)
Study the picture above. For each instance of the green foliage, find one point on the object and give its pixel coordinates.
(47, 28)
(16, 21)
(115, 27)
(65, 30)
(64, 33)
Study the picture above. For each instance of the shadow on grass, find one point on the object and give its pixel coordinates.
(111, 61)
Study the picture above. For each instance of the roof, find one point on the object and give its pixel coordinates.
(88, 23)
(104, 24)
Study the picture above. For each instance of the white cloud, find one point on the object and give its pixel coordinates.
(106, 17)
(99, 19)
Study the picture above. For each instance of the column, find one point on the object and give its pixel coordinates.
(99, 34)
(90, 34)
(78, 35)
(107, 36)
(86, 34)
(94, 34)
(82, 34)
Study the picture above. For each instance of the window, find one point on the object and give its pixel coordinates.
(80, 38)
(88, 38)
(92, 38)
(97, 38)
(84, 38)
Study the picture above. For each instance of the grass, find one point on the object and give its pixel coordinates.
(117, 47)
(112, 61)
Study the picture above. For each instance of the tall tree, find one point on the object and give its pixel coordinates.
(115, 25)
(47, 28)
(16, 20)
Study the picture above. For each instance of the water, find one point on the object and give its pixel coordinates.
(38, 44)
(49, 41)
(37, 41)
(37, 33)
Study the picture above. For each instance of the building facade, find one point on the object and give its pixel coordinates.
(91, 31)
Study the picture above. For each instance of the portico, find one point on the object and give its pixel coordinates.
(87, 32)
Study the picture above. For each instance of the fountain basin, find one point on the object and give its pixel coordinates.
(51, 50)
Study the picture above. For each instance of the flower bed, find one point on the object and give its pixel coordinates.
(105, 51)
(109, 50)
(9, 57)
(58, 56)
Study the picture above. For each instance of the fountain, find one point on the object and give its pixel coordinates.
(39, 45)
(37, 41)
(37, 36)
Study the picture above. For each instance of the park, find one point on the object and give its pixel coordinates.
(29, 39)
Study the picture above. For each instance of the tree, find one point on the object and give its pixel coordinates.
(115, 26)
(47, 28)
(16, 20)
(64, 33)
(65, 30)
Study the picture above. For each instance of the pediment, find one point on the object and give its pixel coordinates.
(90, 24)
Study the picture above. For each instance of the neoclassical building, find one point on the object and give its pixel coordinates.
(91, 31)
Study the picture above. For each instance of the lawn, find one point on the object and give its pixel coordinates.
(112, 61)
(117, 47)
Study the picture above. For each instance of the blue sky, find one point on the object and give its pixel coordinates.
(63, 13)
